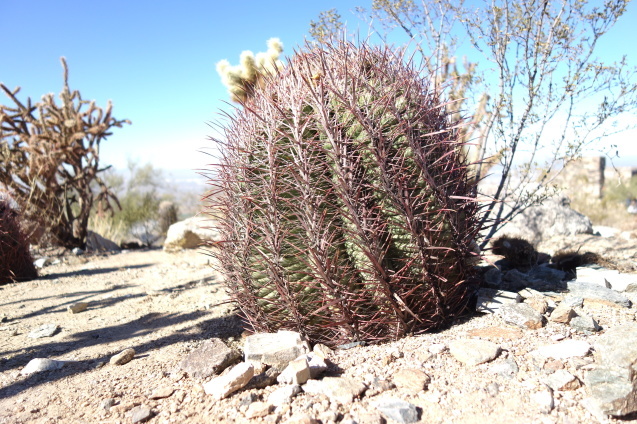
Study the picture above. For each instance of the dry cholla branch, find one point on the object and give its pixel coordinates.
(50, 160)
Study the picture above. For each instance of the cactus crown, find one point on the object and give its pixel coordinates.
(344, 205)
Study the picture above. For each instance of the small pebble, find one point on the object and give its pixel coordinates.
(123, 357)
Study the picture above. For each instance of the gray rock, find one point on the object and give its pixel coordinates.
(212, 357)
(573, 301)
(42, 364)
(77, 251)
(612, 390)
(398, 410)
(235, 379)
(565, 349)
(141, 413)
(493, 277)
(340, 389)
(538, 278)
(107, 403)
(189, 234)
(585, 324)
(45, 330)
(618, 346)
(562, 380)
(473, 351)
(507, 368)
(491, 300)
(554, 217)
(521, 315)
(97, 243)
(276, 349)
(284, 395)
(123, 357)
(597, 293)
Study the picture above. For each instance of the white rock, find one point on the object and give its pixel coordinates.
(544, 400)
(491, 300)
(297, 372)
(565, 349)
(235, 379)
(42, 364)
(189, 234)
(473, 351)
(283, 395)
(276, 349)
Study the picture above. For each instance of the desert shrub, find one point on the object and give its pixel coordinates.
(345, 208)
(49, 160)
(16, 263)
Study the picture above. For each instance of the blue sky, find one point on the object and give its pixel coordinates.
(156, 61)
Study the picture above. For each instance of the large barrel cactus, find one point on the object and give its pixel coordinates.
(345, 208)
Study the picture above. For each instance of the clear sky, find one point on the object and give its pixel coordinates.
(156, 61)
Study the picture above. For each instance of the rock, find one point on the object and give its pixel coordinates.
(76, 308)
(123, 357)
(212, 357)
(340, 389)
(316, 363)
(562, 380)
(141, 413)
(412, 380)
(97, 243)
(106, 404)
(539, 304)
(258, 410)
(562, 314)
(42, 262)
(301, 419)
(45, 330)
(613, 383)
(189, 234)
(491, 300)
(493, 277)
(376, 385)
(283, 395)
(276, 349)
(398, 410)
(596, 293)
(573, 301)
(235, 379)
(297, 372)
(437, 348)
(554, 217)
(42, 364)
(473, 351)
(322, 350)
(585, 323)
(601, 276)
(77, 251)
(162, 392)
(522, 315)
(264, 379)
(544, 400)
(564, 350)
(507, 368)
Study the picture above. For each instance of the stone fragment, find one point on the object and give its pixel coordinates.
(584, 323)
(553, 365)
(398, 410)
(76, 308)
(258, 410)
(189, 234)
(264, 379)
(522, 315)
(544, 400)
(592, 292)
(412, 380)
(573, 301)
(297, 372)
(539, 304)
(473, 351)
(42, 262)
(162, 392)
(562, 380)
(235, 379)
(45, 330)
(340, 389)
(107, 403)
(376, 385)
(97, 243)
(539, 278)
(123, 357)
(316, 362)
(600, 276)
(322, 350)
(491, 300)
(284, 395)
(507, 368)
(437, 348)
(276, 349)
(212, 357)
(42, 364)
(141, 413)
(564, 350)
(562, 314)
(618, 346)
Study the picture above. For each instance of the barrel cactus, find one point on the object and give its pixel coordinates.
(344, 207)
(16, 263)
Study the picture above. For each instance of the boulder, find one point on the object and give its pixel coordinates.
(97, 243)
(189, 234)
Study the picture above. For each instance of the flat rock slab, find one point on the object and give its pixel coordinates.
(42, 364)
(412, 380)
(212, 357)
(45, 330)
(618, 346)
(276, 349)
(473, 351)
(565, 349)
(235, 379)
(521, 315)
(596, 293)
(398, 410)
(340, 389)
(491, 300)
(618, 281)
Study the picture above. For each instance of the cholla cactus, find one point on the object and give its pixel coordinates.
(343, 201)
(242, 79)
(16, 263)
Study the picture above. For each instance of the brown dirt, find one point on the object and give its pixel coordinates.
(164, 305)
